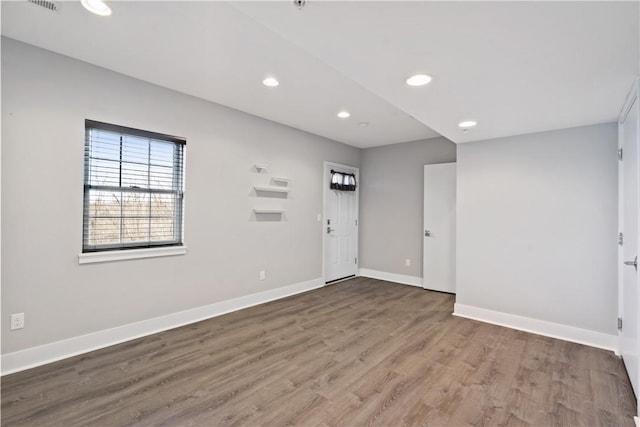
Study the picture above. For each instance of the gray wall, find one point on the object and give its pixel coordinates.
(391, 203)
(537, 224)
(45, 99)
(536, 213)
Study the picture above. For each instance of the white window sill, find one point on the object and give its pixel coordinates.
(107, 256)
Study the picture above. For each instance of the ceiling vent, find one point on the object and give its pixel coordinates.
(49, 5)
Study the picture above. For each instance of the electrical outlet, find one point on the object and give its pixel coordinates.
(407, 262)
(263, 275)
(17, 321)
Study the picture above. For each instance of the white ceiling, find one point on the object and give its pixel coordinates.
(515, 67)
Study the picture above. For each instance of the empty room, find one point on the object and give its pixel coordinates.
(322, 213)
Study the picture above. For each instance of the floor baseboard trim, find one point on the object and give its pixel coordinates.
(391, 277)
(539, 327)
(52, 352)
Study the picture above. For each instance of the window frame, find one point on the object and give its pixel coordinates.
(137, 249)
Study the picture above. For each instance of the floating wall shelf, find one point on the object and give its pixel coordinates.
(273, 189)
(269, 211)
(285, 180)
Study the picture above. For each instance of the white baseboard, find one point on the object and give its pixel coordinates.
(391, 277)
(539, 327)
(47, 353)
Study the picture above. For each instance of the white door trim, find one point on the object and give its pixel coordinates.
(632, 97)
(325, 193)
(633, 94)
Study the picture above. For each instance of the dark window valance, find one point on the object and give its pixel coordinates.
(343, 181)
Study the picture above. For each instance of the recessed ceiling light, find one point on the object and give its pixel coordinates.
(467, 124)
(418, 80)
(363, 124)
(343, 114)
(271, 82)
(96, 6)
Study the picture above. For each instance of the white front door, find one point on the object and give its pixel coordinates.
(340, 227)
(439, 248)
(629, 227)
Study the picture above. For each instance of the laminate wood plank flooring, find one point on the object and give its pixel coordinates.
(360, 352)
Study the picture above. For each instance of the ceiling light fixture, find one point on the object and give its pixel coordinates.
(344, 114)
(271, 82)
(363, 124)
(418, 80)
(467, 124)
(96, 6)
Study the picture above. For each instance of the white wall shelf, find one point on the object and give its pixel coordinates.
(273, 189)
(280, 179)
(269, 211)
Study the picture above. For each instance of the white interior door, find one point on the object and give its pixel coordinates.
(439, 247)
(340, 227)
(629, 251)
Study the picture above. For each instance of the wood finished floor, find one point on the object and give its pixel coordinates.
(361, 352)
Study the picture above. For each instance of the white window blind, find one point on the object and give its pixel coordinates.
(133, 188)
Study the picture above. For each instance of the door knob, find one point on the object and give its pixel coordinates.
(427, 233)
(634, 263)
(329, 230)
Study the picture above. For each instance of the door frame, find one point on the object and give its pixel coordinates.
(325, 193)
(632, 96)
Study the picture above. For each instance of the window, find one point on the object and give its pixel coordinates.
(133, 188)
